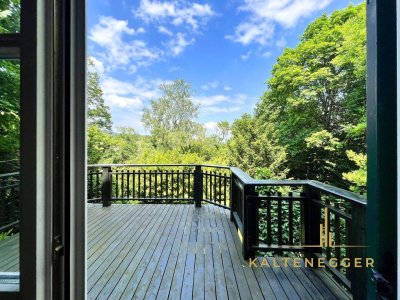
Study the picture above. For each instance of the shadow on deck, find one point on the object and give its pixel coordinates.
(165, 251)
(161, 251)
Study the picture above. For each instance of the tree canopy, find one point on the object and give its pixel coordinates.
(316, 97)
(309, 124)
(171, 118)
(98, 113)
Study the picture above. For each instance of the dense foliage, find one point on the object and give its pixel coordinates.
(315, 101)
(175, 135)
(10, 11)
(9, 92)
(309, 124)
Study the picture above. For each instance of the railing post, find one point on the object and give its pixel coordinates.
(198, 186)
(106, 187)
(250, 222)
(311, 220)
(357, 276)
(233, 197)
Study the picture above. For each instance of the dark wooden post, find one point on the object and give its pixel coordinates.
(233, 196)
(198, 186)
(311, 220)
(250, 222)
(357, 276)
(106, 187)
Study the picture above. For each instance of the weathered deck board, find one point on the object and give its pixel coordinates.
(9, 254)
(164, 251)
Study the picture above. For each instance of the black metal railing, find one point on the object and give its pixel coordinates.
(280, 217)
(317, 220)
(9, 202)
(159, 184)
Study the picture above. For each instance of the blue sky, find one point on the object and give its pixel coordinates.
(225, 49)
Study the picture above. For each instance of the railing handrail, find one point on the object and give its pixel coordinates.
(248, 180)
(335, 191)
(158, 165)
(326, 188)
(9, 174)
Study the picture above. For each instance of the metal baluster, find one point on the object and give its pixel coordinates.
(133, 184)
(183, 184)
(150, 180)
(280, 242)
(210, 186)
(139, 185)
(116, 182)
(225, 179)
(269, 220)
(160, 190)
(144, 186)
(172, 184)
(128, 184)
(122, 184)
(97, 185)
(215, 186)
(290, 219)
(220, 189)
(206, 184)
(178, 180)
(337, 233)
(155, 184)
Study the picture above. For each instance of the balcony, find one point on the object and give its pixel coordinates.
(203, 231)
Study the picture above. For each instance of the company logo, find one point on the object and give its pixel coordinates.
(326, 240)
(328, 237)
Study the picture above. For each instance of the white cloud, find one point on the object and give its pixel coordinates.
(249, 32)
(263, 15)
(175, 12)
(124, 119)
(210, 100)
(115, 100)
(281, 43)
(267, 54)
(109, 34)
(216, 109)
(240, 99)
(178, 44)
(220, 103)
(211, 127)
(164, 30)
(246, 56)
(211, 85)
(141, 89)
(174, 69)
(227, 88)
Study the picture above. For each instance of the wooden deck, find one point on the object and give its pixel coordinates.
(165, 251)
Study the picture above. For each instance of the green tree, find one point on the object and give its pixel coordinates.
(10, 11)
(223, 130)
(171, 118)
(357, 177)
(100, 138)
(9, 92)
(98, 112)
(9, 114)
(316, 96)
(99, 145)
(251, 149)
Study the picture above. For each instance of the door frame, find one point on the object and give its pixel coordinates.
(38, 175)
(382, 118)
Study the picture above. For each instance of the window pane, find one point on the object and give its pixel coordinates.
(9, 173)
(10, 16)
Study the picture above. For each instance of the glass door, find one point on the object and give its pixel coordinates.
(9, 146)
